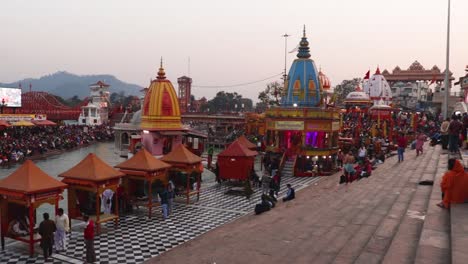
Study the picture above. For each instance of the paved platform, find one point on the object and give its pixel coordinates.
(138, 238)
(375, 220)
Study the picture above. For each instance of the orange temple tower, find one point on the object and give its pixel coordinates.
(160, 120)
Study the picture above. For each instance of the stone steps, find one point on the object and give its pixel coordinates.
(459, 233)
(379, 222)
(405, 241)
(354, 213)
(434, 244)
(345, 230)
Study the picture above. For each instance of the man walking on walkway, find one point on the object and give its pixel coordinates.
(89, 240)
(402, 142)
(46, 230)
(444, 133)
(63, 226)
(454, 131)
(210, 156)
(164, 202)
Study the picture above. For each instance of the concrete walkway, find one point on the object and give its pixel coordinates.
(375, 220)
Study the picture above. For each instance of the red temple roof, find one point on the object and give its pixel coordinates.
(143, 161)
(244, 141)
(181, 154)
(236, 149)
(30, 179)
(92, 168)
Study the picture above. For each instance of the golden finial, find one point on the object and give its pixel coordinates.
(161, 73)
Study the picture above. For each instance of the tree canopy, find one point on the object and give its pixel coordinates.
(342, 90)
(272, 94)
(228, 102)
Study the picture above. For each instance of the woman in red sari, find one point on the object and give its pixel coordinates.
(454, 184)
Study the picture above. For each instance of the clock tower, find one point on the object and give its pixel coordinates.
(185, 92)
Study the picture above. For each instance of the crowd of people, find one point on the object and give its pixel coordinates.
(370, 144)
(19, 142)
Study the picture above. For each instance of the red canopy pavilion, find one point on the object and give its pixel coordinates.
(21, 194)
(183, 160)
(236, 163)
(244, 141)
(143, 167)
(91, 176)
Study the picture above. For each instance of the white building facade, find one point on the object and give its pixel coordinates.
(96, 112)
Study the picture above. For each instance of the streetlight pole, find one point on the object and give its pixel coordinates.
(285, 54)
(446, 81)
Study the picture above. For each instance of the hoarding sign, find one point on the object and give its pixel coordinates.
(11, 97)
(289, 125)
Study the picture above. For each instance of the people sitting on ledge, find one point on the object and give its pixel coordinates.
(290, 194)
(454, 185)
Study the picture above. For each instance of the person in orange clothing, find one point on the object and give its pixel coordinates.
(454, 184)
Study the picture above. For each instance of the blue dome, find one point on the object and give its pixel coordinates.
(303, 87)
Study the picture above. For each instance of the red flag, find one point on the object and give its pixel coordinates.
(367, 75)
(433, 79)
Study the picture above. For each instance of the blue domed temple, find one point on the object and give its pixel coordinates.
(303, 88)
(303, 129)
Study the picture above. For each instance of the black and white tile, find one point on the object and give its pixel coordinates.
(137, 238)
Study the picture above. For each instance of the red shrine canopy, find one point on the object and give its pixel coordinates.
(29, 179)
(237, 149)
(236, 162)
(143, 161)
(43, 123)
(93, 169)
(182, 155)
(244, 141)
(28, 187)
(182, 159)
(4, 123)
(143, 166)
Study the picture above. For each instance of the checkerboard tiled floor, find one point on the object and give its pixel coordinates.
(138, 238)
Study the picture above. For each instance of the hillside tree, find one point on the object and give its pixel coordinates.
(344, 88)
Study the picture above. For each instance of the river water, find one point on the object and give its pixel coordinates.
(54, 165)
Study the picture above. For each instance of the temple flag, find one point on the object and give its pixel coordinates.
(367, 75)
(433, 79)
(295, 49)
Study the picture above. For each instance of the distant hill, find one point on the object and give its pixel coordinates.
(67, 85)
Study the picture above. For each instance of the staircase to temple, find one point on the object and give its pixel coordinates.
(288, 168)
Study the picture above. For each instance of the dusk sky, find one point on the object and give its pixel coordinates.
(228, 42)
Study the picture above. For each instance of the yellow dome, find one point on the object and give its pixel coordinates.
(161, 107)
